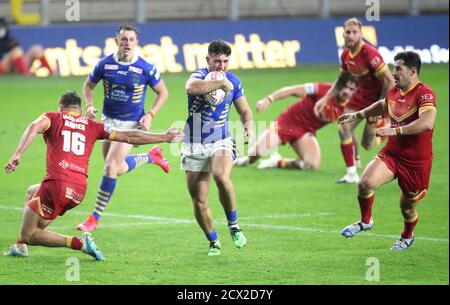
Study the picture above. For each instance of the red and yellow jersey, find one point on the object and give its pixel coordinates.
(70, 138)
(302, 112)
(366, 64)
(404, 108)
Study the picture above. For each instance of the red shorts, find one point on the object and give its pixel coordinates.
(413, 180)
(289, 132)
(55, 197)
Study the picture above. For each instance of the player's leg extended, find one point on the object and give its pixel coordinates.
(114, 164)
(348, 152)
(198, 186)
(265, 143)
(308, 151)
(375, 174)
(221, 165)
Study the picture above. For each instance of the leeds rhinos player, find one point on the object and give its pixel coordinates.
(125, 78)
(208, 147)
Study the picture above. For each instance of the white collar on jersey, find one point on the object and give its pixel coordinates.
(133, 59)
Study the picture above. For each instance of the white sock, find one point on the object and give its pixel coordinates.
(351, 170)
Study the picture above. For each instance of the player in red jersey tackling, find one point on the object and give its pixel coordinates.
(374, 79)
(408, 154)
(298, 124)
(70, 138)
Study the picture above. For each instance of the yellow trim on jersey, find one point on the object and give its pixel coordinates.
(403, 93)
(426, 108)
(383, 68)
(49, 122)
(358, 49)
(404, 116)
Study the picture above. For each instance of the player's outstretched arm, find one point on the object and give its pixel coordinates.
(376, 109)
(138, 137)
(40, 125)
(297, 90)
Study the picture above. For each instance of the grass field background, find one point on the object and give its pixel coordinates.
(292, 218)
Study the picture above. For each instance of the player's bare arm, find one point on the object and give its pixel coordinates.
(388, 82)
(40, 125)
(376, 109)
(162, 94)
(297, 90)
(195, 86)
(424, 123)
(88, 95)
(137, 137)
(246, 116)
(332, 92)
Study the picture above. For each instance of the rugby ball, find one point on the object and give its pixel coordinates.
(214, 98)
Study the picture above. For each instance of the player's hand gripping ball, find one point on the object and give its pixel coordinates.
(215, 97)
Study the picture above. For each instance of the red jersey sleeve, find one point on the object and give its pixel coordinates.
(343, 65)
(426, 99)
(375, 61)
(102, 131)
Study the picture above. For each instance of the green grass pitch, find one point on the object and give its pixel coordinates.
(292, 219)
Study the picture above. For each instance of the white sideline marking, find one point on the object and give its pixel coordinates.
(167, 220)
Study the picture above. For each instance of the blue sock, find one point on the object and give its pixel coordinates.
(104, 195)
(135, 161)
(232, 218)
(212, 236)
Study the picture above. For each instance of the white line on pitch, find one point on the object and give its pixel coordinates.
(166, 220)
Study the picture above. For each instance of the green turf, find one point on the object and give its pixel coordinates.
(291, 219)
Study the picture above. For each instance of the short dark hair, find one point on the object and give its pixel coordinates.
(70, 99)
(344, 78)
(3, 21)
(127, 27)
(411, 60)
(219, 47)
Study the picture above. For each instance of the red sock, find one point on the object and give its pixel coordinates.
(75, 243)
(19, 242)
(348, 152)
(408, 228)
(365, 205)
(45, 63)
(21, 65)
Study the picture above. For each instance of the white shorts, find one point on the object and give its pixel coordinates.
(115, 124)
(195, 157)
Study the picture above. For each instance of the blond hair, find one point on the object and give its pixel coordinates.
(353, 21)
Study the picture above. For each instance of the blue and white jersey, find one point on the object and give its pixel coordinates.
(125, 85)
(205, 123)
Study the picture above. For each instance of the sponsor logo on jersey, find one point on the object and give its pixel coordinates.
(64, 164)
(122, 72)
(134, 69)
(111, 67)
